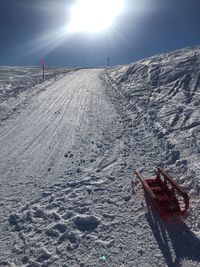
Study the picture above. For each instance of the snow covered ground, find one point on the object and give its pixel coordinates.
(18, 82)
(69, 147)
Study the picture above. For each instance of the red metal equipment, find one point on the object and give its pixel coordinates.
(168, 197)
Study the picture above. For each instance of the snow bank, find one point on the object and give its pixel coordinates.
(160, 96)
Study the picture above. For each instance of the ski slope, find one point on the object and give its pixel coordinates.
(69, 147)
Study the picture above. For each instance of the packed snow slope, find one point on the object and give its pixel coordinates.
(69, 148)
(18, 82)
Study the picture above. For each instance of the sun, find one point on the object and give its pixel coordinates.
(94, 15)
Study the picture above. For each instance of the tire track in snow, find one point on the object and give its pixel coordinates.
(42, 134)
(88, 126)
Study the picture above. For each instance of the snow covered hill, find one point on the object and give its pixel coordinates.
(161, 96)
(68, 194)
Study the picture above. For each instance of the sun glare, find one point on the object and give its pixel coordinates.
(93, 15)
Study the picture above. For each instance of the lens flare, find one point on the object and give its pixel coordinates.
(94, 15)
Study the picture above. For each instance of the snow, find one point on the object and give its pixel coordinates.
(69, 147)
(18, 82)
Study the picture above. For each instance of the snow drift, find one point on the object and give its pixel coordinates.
(161, 95)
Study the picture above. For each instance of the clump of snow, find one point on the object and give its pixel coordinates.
(14, 219)
(44, 255)
(86, 222)
(61, 227)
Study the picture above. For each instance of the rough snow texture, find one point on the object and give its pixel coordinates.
(68, 195)
(18, 83)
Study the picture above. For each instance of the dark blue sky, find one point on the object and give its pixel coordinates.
(33, 29)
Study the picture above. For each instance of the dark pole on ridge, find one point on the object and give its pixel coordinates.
(43, 68)
(108, 61)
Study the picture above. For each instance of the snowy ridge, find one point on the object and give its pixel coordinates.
(161, 96)
(164, 92)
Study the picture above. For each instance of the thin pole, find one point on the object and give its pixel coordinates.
(43, 70)
(43, 66)
(108, 61)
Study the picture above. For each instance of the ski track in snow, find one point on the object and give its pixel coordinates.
(68, 194)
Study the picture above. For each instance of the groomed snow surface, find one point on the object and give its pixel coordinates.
(69, 147)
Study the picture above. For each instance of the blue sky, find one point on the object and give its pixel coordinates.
(31, 30)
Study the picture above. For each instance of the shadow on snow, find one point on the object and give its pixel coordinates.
(174, 238)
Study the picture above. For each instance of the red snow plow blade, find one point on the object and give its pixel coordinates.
(168, 197)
